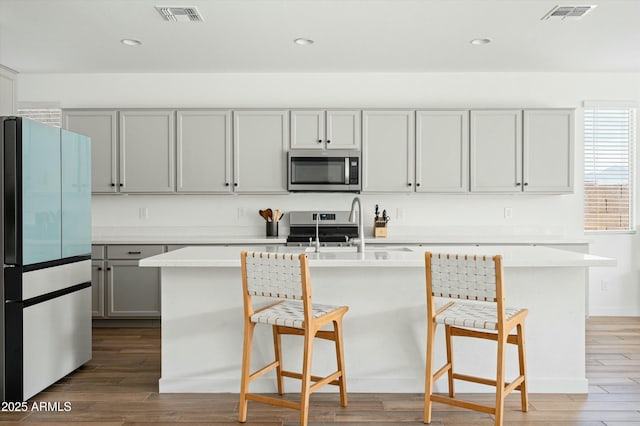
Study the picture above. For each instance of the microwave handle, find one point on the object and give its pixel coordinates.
(346, 170)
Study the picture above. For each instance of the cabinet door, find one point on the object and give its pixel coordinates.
(97, 288)
(147, 145)
(307, 129)
(204, 151)
(100, 126)
(343, 130)
(388, 151)
(260, 140)
(496, 151)
(132, 291)
(442, 151)
(548, 151)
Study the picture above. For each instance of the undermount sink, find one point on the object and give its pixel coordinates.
(353, 249)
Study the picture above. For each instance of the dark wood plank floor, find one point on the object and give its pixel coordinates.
(119, 387)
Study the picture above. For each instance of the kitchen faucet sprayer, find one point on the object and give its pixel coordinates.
(356, 200)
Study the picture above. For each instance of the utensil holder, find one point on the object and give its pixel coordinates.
(379, 228)
(272, 229)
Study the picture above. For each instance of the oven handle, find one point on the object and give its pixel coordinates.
(346, 170)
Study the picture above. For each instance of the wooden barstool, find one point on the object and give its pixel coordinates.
(286, 276)
(472, 278)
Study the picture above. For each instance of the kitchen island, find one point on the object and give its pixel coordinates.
(385, 328)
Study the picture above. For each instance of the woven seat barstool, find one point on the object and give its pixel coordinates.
(286, 276)
(461, 278)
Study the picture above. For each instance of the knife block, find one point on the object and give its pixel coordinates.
(379, 228)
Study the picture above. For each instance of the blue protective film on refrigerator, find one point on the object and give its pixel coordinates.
(76, 194)
(41, 197)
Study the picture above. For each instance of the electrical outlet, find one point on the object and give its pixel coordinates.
(241, 212)
(143, 213)
(508, 213)
(604, 285)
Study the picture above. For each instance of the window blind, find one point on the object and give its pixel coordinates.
(609, 139)
(51, 116)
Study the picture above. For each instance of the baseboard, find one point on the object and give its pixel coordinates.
(360, 385)
(125, 323)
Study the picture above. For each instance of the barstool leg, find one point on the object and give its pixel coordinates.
(502, 343)
(524, 396)
(447, 333)
(428, 376)
(277, 346)
(246, 370)
(306, 379)
(337, 330)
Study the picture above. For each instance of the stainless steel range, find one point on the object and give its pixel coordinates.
(334, 228)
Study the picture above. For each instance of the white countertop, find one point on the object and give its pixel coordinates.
(195, 235)
(513, 256)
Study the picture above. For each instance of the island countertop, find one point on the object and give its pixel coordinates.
(384, 288)
(376, 256)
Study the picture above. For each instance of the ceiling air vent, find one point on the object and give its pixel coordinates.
(179, 13)
(568, 12)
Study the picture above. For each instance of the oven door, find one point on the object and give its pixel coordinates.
(323, 173)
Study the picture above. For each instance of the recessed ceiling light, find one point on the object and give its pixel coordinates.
(303, 41)
(480, 41)
(130, 42)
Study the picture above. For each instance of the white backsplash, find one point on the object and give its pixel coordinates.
(411, 214)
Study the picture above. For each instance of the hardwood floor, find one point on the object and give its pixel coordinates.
(119, 387)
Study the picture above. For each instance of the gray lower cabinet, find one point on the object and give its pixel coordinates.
(98, 269)
(121, 288)
(132, 291)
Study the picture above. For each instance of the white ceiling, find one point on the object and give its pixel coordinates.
(60, 36)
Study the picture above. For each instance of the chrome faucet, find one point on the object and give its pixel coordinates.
(360, 222)
(317, 232)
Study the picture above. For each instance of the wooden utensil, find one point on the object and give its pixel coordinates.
(277, 214)
(264, 214)
(269, 214)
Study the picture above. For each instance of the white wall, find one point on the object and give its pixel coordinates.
(439, 214)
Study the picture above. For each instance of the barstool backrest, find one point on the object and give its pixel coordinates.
(277, 275)
(459, 276)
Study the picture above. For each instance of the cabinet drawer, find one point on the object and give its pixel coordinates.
(98, 252)
(133, 252)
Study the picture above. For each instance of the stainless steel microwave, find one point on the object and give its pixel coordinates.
(331, 170)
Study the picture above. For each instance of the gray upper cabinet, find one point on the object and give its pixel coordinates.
(308, 129)
(332, 129)
(442, 151)
(496, 151)
(147, 151)
(548, 150)
(203, 151)
(388, 141)
(515, 151)
(101, 127)
(261, 138)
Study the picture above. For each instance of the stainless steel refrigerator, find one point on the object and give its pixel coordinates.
(46, 251)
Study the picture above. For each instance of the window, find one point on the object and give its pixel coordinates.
(609, 139)
(47, 115)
